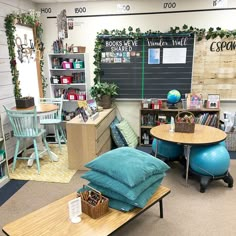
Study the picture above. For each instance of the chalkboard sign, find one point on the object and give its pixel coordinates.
(148, 67)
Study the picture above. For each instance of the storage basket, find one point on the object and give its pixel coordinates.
(93, 203)
(64, 79)
(184, 122)
(78, 64)
(66, 65)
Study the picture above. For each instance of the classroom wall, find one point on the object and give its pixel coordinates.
(154, 15)
(6, 88)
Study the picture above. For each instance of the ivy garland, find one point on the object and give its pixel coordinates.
(29, 19)
(202, 33)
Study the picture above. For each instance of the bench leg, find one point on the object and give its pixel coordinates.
(161, 208)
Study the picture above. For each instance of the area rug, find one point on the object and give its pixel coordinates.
(50, 171)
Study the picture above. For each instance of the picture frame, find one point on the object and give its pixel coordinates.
(213, 101)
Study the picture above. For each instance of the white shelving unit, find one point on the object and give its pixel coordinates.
(4, 176)
(72, 82)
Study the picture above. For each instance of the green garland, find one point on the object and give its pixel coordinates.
(211, 33)
(29, 19)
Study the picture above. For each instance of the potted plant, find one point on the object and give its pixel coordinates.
(24, 102)
(103, 92)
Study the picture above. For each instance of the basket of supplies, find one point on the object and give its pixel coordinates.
(93, 202)
(185, 122)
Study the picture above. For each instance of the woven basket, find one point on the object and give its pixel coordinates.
(93, 203)
(184, 127)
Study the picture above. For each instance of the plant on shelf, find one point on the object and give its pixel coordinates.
(31, 19)
(103, 92)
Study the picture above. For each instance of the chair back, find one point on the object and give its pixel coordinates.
(24, 123)
(53, 115)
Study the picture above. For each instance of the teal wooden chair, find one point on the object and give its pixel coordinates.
(25, 125)
(54, 118)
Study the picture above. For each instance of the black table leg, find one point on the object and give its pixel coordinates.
(161, 208)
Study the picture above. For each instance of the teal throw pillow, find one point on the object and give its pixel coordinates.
(116, 135)
(140, 201)
(106, 181)
(128, 133)
(128, 165)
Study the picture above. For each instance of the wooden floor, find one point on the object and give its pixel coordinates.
(53, 219)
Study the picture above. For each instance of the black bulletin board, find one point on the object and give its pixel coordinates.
(148, 67)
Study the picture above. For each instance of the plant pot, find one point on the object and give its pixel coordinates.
(24, 102)
(106, 101)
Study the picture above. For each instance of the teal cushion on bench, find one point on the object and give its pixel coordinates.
(108, 182)
(128, 165)
(140, 201)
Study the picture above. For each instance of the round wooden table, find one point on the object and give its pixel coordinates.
(203, 135)
(40, 108)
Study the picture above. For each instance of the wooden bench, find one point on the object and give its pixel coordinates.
(53, 219)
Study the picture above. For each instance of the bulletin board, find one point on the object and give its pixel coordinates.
(150, 66)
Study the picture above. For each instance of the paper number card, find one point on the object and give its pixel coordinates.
(75, 210)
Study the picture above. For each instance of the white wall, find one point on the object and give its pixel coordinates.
(86, 28)
(6, 88)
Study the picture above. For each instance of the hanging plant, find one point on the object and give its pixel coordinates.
(202, 33)
(31, 19)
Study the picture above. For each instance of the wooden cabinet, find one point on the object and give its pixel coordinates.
(85, 141)
(151, 117)
(4, 177)
(69, 75)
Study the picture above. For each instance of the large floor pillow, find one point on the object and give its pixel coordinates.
(128, 165)
(140, 201)
(108, 182)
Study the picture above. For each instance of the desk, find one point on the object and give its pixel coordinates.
(41, 109)
(85, 141)
(53, 219)
(203, 135)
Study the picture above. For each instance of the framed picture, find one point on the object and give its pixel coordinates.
(213, 101)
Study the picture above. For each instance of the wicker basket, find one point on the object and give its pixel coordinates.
(184, 127)
(93, 203)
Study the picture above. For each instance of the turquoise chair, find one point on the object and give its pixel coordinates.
(25, 125)
(54, 118)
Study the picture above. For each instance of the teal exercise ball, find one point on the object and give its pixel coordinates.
(154, 145)
(210, 160)
(223, 143)
(168, 150)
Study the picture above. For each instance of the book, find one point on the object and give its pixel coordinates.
(92, 105)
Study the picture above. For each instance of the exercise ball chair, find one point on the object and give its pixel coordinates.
(211, 162)
(223, 143)
(167, 150)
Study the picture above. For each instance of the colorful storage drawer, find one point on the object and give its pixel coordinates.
(66, 79)
(72, 96)
(78, 64)
(66, 65)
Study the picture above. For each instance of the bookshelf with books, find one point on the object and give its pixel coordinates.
(153, 117)
(69, 75)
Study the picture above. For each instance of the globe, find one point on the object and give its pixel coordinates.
(173, 97)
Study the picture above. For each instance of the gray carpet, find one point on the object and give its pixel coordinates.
(186, 210)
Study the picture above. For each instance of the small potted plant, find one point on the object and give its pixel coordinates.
(24, 102)
(103, 92)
